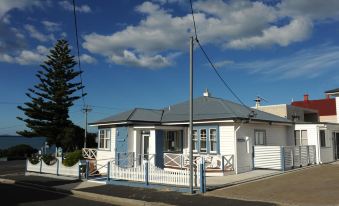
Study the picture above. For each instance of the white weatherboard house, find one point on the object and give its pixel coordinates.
(224, 135)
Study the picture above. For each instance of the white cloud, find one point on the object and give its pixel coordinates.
(7, 5)
(308, 63)
(69, 7)
(26, 57)
(51, 26)
(230, 24)
(87, 59)
(298, 30)
(34, 33)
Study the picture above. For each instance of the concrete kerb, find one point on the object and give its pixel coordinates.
(86, 195)
(254, 179)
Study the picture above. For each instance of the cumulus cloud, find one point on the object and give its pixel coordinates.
(26, 57)
(51, 26)
(309, 63)
(7, 5)
(227, 24)
(87, 59)
(69, 7)
(34, 33)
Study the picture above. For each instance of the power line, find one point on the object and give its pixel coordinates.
(214, 68)
(78, 51)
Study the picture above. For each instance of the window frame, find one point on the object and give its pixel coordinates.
(215, 140)
(195, 141)
(180, 139)
(105, 139)
(264, 138)
(206, 136)
(322, 143)
(300, 137)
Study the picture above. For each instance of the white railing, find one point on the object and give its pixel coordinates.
(151, 174)
(57, 169)
(218, 162)
(89, 153)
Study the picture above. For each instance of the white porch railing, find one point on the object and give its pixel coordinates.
(89, 153)
(218, 162)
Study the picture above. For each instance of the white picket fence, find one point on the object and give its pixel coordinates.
(152, 174)
(57, 169)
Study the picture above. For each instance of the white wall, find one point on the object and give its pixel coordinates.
(324, 154)
(226, 136)
(276, 135)
(103, 156)
(337, 107)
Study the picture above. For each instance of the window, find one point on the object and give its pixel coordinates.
(195, 140)
(173, 141)
(203, 138)
(260, 137)
(213, 140)
(322, 138)
(300, 137)
(104, 139)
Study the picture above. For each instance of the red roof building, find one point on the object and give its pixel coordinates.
(325, 107)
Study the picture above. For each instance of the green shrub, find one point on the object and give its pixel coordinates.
(21, 150)
(34, 159)
(48, 159)
(72, 158)
(3, 153)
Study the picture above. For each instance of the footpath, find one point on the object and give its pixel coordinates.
(120, 195)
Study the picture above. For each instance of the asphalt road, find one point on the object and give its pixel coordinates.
(11, 195)
(313, 186)
(12, 167)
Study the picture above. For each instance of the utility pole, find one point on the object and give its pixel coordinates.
(191, 117)
(86, 109)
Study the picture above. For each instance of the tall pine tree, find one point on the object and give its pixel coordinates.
(47, 112)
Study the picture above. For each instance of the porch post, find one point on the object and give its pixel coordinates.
(108, 170)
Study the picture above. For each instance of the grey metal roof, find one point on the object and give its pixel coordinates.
(205, 108)
(137, 115)
(211, 108)
(332, 91)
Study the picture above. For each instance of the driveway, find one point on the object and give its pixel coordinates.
(313, 186)
(12, 167)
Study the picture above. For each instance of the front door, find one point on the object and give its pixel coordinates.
(145, 147)
(336, 145)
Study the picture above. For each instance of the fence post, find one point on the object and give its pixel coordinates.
(57, 172)
(79, 170)
(300, 163)
(87, 169)
(108, 170)
(282, 156)
(292, 155)
(146, 172)
(222, 164)
(308, 155)
(202, 176)
(41, 165)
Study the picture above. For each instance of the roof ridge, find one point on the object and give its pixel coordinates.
(129, 116)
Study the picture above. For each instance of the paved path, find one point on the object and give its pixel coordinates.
(12, 167)
(314, 186)
(12, 195)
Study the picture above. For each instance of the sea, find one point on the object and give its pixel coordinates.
(9, 141)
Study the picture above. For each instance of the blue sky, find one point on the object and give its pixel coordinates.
(135, 53)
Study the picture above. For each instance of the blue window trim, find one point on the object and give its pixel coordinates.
(110, 140)
(207, 127)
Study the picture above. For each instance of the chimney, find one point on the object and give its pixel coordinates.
(327, 96)
(257, 102)
(305, 97)
(206, 93)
